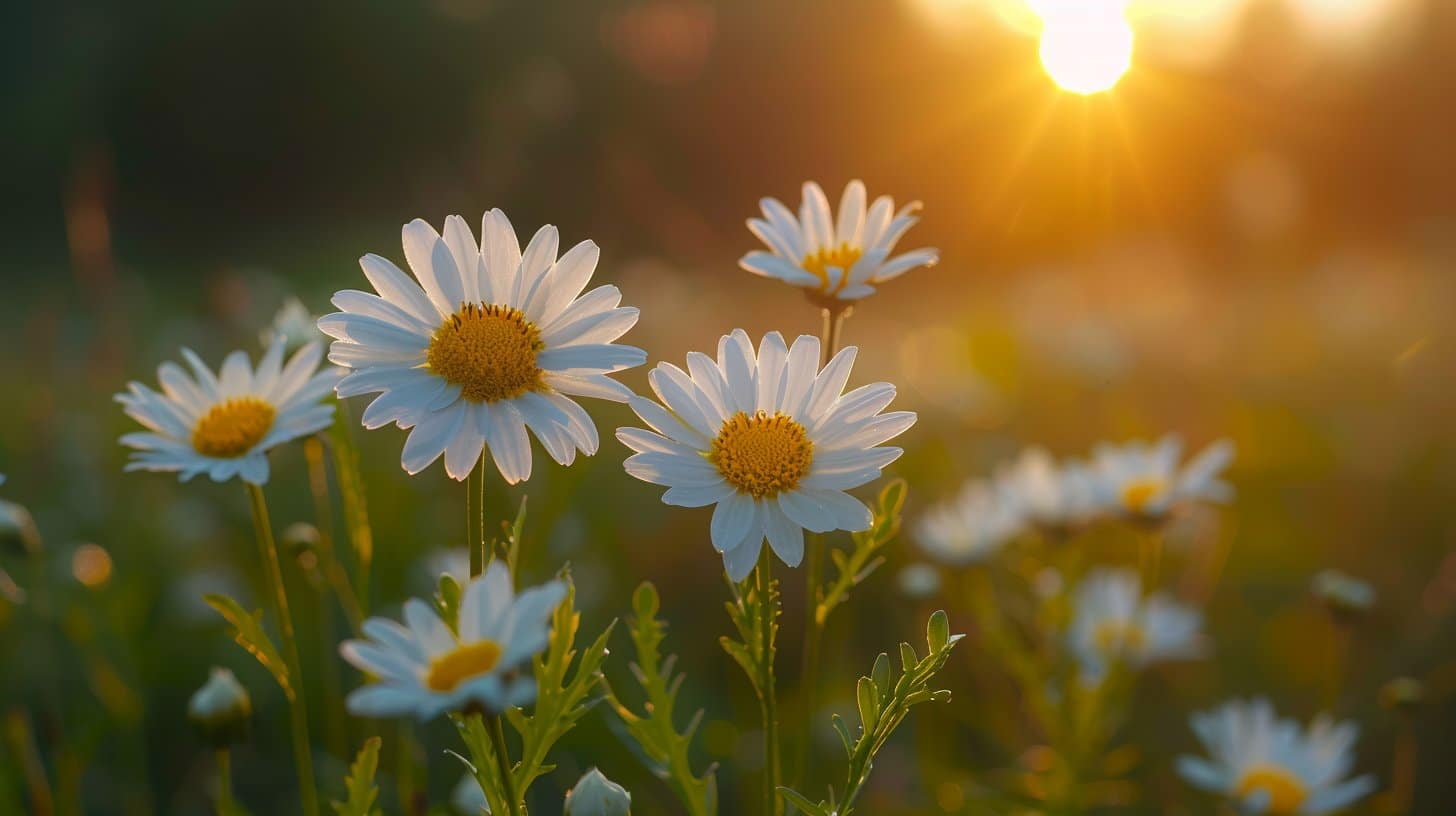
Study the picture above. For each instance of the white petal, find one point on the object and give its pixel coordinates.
(786, 537)
(466, 253)
(429, 258)
(505, 432)
(463, 452)
(395, 286)
(570, 275)
(430, 437)
(851, 213)
(536, 262)
(502, 254)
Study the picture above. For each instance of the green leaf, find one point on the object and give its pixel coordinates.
(937, 631)
(805, 806)
(862, 559)
(247, 630)
(447, 601)
(360, 783)
(664, 749)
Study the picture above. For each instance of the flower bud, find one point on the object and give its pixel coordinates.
(467, 799)
(221, 709)
(595, 795)
(18, 533)
(1344, 596)
(300, 537)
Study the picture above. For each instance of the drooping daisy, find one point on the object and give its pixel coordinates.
(425, 668)
(224, 424)
(769, 439)
(1050, 495)
(1114, 623)
(294, 323)
(1269, 765)
(835, 260)
(1145, 481)
(489, 342)
(970, 528)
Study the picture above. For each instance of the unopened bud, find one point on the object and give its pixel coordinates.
(596, 795)
(221, 709)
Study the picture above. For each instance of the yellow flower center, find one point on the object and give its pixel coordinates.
(467, 660)
(819, 261)
(1286, 791)
(230, 429)
(489, 351)
(1118, 637)
(1139, 493)
(762, 455)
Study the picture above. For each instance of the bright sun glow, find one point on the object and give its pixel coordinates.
(1085, 48)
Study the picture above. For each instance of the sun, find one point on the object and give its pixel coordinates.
(1085, 49)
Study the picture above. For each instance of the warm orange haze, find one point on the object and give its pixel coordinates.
(836, 408)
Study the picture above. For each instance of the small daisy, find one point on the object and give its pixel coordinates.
(224, 424)
(1053, 496)
(489, 342)
(295, 324)
(970, 528)
(1114, 623)
(834, 260)
(1269, 765)
(425, 668)
(1144, 481)
(769, 439)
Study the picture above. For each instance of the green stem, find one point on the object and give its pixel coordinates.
(297, 711)
(225, 803)
(333, 569)
(351, 495)
(503, 758)
(477, 552)
(767, 696)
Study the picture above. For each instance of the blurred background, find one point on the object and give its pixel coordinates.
(1213, 217)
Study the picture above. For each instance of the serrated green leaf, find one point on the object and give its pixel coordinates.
(247, 630)
(359, 784)
(802, 802)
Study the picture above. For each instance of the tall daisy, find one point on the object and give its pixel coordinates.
(970, 528)
(485, 342)
(835, 259)
(1114, 623)
(425, 668)
(1145, 480)
(224, 424)
(766, 437)
(1265, 764)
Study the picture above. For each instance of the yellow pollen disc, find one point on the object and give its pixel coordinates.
(819, 261)
(1138, 493)
(230, 429)
(1286, 791)
(467, 660)
(762, 455)
(489, 351)
(1116, 637)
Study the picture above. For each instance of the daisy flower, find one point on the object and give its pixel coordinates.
(486, 342)
(1145, 481)
(1270, 765)
(835, 260)
(769, 439)
(1114, 623)
(1051, 495)
(294, 323)
(970, 528)
(224, 424)
(425, 668)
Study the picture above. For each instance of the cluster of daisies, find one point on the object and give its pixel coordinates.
(1135, 481)
(485, 343)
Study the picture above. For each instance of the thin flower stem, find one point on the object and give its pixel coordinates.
(297, 710)
(503, 758)
(477, 554)
(225, 803)
(351, 496)
(333, 569)
(767, 696)
(831, 335)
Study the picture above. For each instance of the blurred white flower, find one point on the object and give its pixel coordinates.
(834, 260)
(1050, 495)
(1113, 623)
(1145, 481)
(1268, 765)
(467, 799)
(769, 439)
(919, 580)
(1343, 594)
(970, 528)
(224, 424)
(596, 795)
(489, 342)
(295, 324)
(426, 669)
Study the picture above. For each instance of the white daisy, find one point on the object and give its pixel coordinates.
(489, 342)
(225, 424)
(1051, 495)
(294, 323)
(1270, 765)
(1114, 623)
(836, 260)
(767, 438)
(970, 528)
(425, 668)
(1143, 480)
